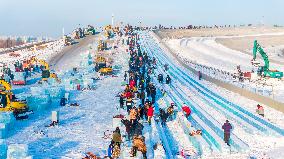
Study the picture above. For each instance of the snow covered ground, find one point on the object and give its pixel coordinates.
(81, 128)
(207, 52)
(86, 128)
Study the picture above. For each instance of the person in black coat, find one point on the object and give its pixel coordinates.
(121, 101)
(163, 116)
(168, 79)
(160, 78)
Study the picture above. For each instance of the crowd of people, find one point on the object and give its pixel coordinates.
(139, 97)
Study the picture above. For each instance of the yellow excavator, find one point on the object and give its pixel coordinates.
(108, 31)
(102, 45)
(101, 66)
(8, 101)
(45, 72)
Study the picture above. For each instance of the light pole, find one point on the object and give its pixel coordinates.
(112, 19)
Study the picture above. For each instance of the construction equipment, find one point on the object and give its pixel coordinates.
(108, 31)
(90, 30)
(100, 66)
(264, 70)
(68, 40)
(8, 102)
(46, 71)
(102, 45)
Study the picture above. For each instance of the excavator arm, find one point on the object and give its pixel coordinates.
(6, 85)
(257, 48)
(45, 64)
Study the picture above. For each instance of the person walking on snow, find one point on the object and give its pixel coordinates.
(260, 110)
(133, 115)
(170, 111)
(160, 78)
(110, 149)
(125, 76)
(121, 101)
(128, 127)
(227, 131)
(142, 97)
(166, 66)
(129, 103)
(168, 79)
(150, 113)
(163, 116)
(116, 137)
(139, 144)
(199, 75)
(186, 110)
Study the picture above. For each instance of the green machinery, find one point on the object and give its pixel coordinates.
(90, 30)
(264, 70)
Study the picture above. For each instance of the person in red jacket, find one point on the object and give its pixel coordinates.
(132, 83)
(128, 95)
(150, 113)
(186, 110)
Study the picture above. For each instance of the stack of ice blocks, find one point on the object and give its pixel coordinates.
(18, 151)
(3, 149)
(56, 92)
(39, 100)
(7, 121)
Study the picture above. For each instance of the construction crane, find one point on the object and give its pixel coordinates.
(264, 70)
(8, 101)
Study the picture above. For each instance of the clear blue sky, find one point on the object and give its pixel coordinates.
(47, 17)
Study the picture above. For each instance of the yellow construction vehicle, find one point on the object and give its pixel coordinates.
(8, 101)
(68, 40)
(101, 66)
(108, 31)
(102, 45)
(105, 71)
(46, 72)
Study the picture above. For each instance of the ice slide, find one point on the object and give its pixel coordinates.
(250, 121)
